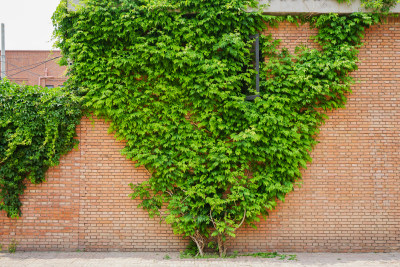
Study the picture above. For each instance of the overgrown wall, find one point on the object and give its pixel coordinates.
(349, 200)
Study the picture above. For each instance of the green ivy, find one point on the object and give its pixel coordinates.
(379, 6)
(172, 76)
(37, 126)
(382, 6)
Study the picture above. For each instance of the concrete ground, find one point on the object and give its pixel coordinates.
(108, 259)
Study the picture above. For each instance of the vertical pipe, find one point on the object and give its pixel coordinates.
(257, 36)
(256, 46)
(3, 52)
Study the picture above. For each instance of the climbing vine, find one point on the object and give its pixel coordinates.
(37, 126)
(382, 6)
(172, 77)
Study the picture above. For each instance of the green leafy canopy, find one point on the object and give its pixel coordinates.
(37, 126)
(172, 77)
(380, 6)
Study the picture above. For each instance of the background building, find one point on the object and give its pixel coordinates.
(35, 67)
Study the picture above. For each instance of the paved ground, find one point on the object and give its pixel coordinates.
(108, 259)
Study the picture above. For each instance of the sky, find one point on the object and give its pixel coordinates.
(28, 23)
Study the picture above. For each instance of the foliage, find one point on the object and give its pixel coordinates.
(12, 247)
(190, 251)
(37, 126)
(172, 77)
(272, 255)
(380, 6)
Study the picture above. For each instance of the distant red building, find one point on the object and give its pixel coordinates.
(35, 67)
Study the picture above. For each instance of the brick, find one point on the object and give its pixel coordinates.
(349, 200)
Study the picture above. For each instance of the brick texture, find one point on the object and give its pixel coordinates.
(349, 200)
(35, 67)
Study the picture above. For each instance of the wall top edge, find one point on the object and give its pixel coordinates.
(295, 6)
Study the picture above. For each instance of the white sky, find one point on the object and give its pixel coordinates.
(28, 23)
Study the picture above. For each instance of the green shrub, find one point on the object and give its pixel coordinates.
(12, 247)
(37, 126)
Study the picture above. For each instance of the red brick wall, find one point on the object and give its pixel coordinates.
(27, 66)
(85, 204)
(349, 200)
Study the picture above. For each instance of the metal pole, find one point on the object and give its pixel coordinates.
(256, 46)
(3, 52)
(257, 36)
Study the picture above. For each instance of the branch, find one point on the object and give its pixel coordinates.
(184, 199)
(197, 244)
(244, 216)
(212, 220)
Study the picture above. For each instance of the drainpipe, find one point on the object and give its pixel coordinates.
(3, 52)
(44, 77)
